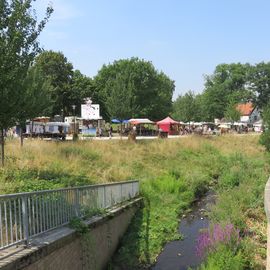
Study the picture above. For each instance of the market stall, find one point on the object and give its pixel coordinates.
(169, 125)
(120, 126)
(143, 126)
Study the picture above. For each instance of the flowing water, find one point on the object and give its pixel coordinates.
(180, 255)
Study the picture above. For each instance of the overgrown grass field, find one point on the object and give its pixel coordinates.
(173, 173)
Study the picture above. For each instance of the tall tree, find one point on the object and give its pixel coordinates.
(229, 81)
(82, 87)
(36, 99)
(120, 103)
(187, 107)
(231, 113)
(260, 83)
(151, 90)
(59, 71)
(18, 47)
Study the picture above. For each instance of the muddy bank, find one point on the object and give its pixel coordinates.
(180, 255)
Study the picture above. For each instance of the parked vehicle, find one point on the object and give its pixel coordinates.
(47, 130)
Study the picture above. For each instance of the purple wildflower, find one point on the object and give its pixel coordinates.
(208, 240)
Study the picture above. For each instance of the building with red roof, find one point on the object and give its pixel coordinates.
(249, 112)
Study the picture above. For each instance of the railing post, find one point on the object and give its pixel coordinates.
(112, 200)
(137, 188)
(132, 196)
(104, 197)
(121, 192)
(77, 203)
(25, 220)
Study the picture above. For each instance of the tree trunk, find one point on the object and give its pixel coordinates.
(32, 126)
(2, 139)
(21, 136)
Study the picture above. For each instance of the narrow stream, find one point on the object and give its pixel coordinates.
(180, 255)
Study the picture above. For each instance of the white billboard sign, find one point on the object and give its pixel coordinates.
(90, 111)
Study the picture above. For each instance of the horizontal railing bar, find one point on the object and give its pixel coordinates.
(12, 244)
(48, 230)
(4, 196)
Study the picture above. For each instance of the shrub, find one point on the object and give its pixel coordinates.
(208, 241)
(224, 259)
(265, 139)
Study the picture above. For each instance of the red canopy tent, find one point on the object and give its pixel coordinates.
(169, 125)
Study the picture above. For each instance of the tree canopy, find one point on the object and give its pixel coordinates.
(228, 83)
(81, 87)
(231, 113)
(187, 107)
(59, 71)
(36, 99)
(18, 48)
(134, 88)
(260, 83)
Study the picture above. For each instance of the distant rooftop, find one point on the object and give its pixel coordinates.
(245, 108)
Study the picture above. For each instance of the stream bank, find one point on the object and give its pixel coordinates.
(181, 254)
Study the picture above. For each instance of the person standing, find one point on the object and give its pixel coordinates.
(110, 132)
(100, 132)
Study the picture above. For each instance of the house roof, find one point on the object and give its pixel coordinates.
(245, 108)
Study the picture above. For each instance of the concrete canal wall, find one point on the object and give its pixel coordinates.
(64, 249)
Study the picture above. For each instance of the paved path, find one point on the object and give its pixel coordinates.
(138, 138)
(69, 138)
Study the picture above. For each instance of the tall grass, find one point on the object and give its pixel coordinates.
(172, 173)
(65, 164)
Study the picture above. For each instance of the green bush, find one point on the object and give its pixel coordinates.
(224, 259)
(265, 139)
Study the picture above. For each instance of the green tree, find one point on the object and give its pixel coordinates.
(231, 113)
(36, 99)
(59, 71)
(187, 107)
(82, 87)
(120, 103)
(260, 83)
(229, 82)
(149, 91)
(18, 47)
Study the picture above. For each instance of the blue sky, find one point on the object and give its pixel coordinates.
(184, 38)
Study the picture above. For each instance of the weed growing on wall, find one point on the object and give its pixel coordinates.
(88, 245)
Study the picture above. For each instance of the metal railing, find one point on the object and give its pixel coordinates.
(25, 215)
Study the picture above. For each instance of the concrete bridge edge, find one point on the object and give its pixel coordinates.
(62, 249)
